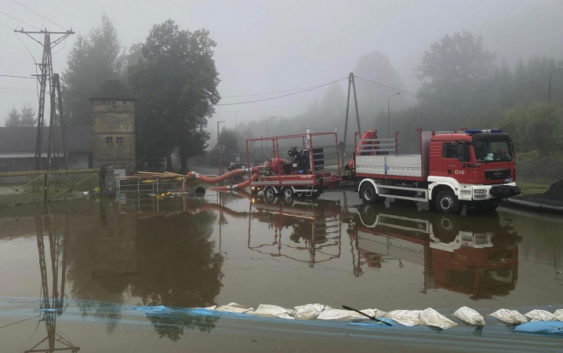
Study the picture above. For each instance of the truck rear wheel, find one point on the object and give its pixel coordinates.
(368, 194)
(447, 202)
(287, 192)
(269, 194)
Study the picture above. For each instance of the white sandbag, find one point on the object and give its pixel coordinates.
(212, 307)
(512, 317)
(405, 317)
(339, 314)
(270, 310)
(235, 308)
(374, 313)
(469, 316)
(431, 317)
(540, 315)
(308, 311)
(558, 314)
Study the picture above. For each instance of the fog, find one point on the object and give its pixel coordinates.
(278, 46)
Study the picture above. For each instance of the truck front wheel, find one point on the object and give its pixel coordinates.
(368, 194)
(447, 202)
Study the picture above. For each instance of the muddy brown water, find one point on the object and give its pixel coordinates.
(101, 256)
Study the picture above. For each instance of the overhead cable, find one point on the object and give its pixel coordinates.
(293, 93)
(18, 20)
(267, 93)
(418, 95)
(17, 76)
(40, 15)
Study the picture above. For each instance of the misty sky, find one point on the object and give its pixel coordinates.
(267, 46)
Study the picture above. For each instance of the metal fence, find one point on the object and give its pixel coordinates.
(25, 187)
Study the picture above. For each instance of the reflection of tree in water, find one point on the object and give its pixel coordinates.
(165, 260)
(177, 263)
(178, 267)
(94, 255)
(172, 325)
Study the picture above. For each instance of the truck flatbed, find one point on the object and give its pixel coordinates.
(405, 165)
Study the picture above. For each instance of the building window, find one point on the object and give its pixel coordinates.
(109, 140)
(119, 140)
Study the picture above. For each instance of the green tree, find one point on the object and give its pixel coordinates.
(456, 69)
(92, 61)
(175, 81)
(543, 128)
(13, 118)
(514, 122)
(25, 117)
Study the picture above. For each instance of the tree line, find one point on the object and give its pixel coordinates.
(171, 74)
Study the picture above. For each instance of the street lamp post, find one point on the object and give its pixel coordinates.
(549, 84)
(388, 109)
(219, 150)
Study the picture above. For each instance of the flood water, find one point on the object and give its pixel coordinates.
(103, 257)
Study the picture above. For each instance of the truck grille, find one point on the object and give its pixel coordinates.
(497, 174)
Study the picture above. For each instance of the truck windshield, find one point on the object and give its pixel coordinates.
(492, 150)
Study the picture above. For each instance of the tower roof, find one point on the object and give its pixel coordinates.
(113, 90)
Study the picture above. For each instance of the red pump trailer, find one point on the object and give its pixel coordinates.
(474, 167)
(304, 172)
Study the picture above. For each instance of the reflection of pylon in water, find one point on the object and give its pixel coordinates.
(52, 305)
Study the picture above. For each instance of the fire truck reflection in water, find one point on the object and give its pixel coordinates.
(478, 257)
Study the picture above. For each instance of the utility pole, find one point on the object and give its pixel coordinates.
(46, 75)
(351, 86)
(219, 150)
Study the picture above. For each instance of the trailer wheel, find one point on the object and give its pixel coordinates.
(447, 202)
(269, 194)
(367, 193)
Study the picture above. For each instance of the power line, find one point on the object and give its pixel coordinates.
(29, 51)
(417, 95)
(17, 76)
(268, 93)
(284, 95)
(17, 19)
(15, 89)
(7, 27)
(40, 15)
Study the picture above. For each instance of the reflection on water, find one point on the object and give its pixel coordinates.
(477, 256)
(177, 252)
(161, 259)
(52, 268)
(303, 230)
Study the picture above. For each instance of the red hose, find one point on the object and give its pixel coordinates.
(237, 186)
(219, 178)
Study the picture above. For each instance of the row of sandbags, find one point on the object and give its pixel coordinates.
(427, 317)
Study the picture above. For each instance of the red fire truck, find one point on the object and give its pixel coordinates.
(472, 167)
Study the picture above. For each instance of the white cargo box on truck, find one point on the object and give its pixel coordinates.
(401, 165)
(379, 158)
